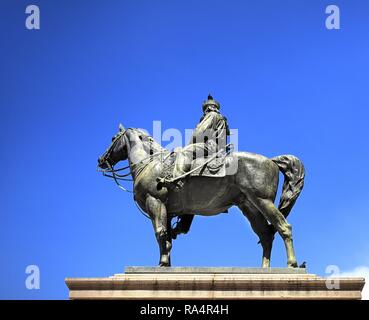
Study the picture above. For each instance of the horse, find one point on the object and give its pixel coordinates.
(252, 188)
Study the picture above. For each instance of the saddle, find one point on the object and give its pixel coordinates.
(214, 168)
(202, 167)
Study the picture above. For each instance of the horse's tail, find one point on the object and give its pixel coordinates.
(294, 174)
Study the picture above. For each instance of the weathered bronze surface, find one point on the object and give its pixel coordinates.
(185, 193)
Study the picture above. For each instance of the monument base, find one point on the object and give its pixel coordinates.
(214, 283)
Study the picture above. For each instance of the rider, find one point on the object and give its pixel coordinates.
(209, 137)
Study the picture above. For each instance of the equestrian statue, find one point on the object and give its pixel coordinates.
(206, 178)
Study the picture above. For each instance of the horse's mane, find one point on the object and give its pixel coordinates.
(149, 141)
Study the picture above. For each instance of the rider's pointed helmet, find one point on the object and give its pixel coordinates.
(210, 102)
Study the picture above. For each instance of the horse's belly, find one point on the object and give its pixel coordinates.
(202, 196)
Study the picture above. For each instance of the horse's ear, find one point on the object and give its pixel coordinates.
(121, 128)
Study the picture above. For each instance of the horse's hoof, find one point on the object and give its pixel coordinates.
(164, 265)
(164, 262)
(292, 265)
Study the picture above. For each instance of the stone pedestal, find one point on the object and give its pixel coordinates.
(213, 283)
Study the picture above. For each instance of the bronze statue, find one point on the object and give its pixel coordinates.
(209, 137)
(209, 185)
(210, 133)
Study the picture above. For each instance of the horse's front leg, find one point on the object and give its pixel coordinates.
(158, 213)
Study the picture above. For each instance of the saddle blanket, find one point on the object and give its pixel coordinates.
(218, 167)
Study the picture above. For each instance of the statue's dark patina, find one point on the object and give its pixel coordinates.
(252, 188)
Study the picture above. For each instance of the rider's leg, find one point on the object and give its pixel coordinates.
(183, 163)
(185, 157)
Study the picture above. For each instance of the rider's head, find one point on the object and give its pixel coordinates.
(210, 105)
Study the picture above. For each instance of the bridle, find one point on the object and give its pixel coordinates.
(112, 173)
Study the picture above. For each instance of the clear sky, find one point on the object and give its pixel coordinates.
(289, 85)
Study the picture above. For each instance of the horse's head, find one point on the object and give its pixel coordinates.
(116, 152)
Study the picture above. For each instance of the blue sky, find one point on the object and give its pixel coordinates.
(285, 82)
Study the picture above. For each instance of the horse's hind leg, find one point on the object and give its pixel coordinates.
(261, 227)
(276, 218)
(158, 213)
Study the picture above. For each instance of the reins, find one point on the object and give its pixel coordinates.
(140, 166)
(112, 173)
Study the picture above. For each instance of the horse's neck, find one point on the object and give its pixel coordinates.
(136, 150)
